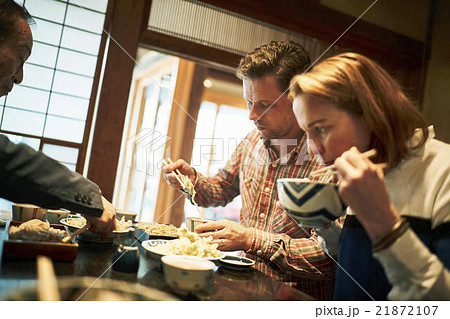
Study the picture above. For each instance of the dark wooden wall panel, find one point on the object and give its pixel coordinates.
(126, 26)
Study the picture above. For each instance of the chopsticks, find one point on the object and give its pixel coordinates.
(333, 172)
(72, 236)
(330, 170)
(47, 286)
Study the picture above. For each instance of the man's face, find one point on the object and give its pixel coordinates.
(269, 108)
(14, 51)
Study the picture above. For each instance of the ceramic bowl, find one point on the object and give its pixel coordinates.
(310, 203)
(186, 273)
(126, 214)
(26, 212)
(192, 222)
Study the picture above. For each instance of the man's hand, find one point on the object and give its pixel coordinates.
(105, 224)
(227, 234)
(183, 167)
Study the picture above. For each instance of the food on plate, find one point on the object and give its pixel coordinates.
(36, 230)
(190, 244)
(76, 222)
(121, 225)
(156, 229)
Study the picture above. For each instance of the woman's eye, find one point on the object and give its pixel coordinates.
(320, 130)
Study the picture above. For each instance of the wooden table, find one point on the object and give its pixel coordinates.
(95, 259)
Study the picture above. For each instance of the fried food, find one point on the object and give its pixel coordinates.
(156, 229)
(190, 244)
(36, 230)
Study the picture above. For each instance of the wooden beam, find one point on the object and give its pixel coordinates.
(126, 25)
(310, 18)
(93, 99)
(187, 95)
(190, 50)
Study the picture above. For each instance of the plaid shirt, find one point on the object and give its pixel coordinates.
(281, 248)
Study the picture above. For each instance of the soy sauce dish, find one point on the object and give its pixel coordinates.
(236, 262)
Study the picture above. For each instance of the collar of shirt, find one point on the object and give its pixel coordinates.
(272, 156)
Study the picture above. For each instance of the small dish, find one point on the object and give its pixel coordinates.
(236, 262)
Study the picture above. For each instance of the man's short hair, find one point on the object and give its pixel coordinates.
(284, 59)
(10, 13)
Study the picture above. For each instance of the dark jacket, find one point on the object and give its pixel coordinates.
(28, 176)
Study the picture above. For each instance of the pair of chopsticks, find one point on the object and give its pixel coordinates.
(330, 170)
(72, 236)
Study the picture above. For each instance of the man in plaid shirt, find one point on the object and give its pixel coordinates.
(275, 149)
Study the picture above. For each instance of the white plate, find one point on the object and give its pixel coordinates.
(236, 262)
(150, 246)
(64, 222)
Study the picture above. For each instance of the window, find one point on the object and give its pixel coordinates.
(145, 132)
(49, 109)
(220, 128)
(52, 102)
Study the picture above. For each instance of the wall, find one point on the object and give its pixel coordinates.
(407, 17)
(437, 89)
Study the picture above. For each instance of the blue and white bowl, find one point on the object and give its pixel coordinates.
(310, 203)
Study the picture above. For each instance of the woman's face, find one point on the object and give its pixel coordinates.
(330, 131)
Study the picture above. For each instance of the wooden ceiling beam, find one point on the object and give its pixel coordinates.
(310, 18)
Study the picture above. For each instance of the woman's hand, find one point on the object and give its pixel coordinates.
(362, 187)
(227, 234)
